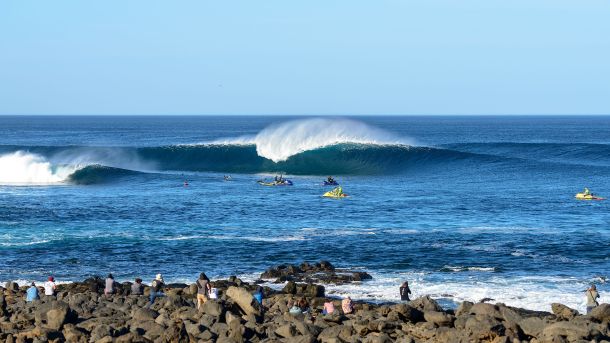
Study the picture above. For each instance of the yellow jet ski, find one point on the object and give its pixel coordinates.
(586, 195)
(336, 193)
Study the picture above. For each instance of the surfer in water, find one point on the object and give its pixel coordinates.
(186, 183)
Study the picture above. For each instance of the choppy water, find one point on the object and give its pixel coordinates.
(462, 207)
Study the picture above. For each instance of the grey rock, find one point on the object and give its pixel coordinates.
(563, 312)
(426, 303)
(439, 318)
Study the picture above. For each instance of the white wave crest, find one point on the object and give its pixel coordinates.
(279, 142)
(26, 168)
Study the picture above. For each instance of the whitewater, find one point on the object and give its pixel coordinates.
(464, 208)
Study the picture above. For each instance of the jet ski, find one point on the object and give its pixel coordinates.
(336, 193)
(275, 183)
(585, 196)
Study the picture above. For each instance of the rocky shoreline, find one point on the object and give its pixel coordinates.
(81, 313)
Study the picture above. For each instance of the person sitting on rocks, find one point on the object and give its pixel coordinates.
(50, 287)
(293, 308)
(303, 305)
(258, 294)
(405, 291)
(329, 308)
(592, 296)
(137, 288)
(32, 293)
(203, 289)
(156, 289)
(347, 305)
(109, 289)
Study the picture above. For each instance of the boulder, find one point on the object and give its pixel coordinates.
(314, 291)
(144, 314)
(286, 331)
(570, 331)
(12, 287)
(601, 313)
(463, 308)
(439, 318)
(244, 300)
(563, 312)
(332, 332)
(213, 308)
(408, 313)
(426, 303)
(290, 288)
(486, 310)
(484, 328)
(532, 326)
(56, 317)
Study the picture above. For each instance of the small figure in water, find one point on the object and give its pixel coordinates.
(405, 291)
(227, 177)
(330, 180)
(186, 183)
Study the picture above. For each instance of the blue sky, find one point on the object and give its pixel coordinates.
(305, 57)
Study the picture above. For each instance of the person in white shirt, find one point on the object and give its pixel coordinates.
(49, 287)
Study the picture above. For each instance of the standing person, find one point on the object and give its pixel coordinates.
(592, 296)
(32, 293)
(49, 287)
(137, 288)
(203, 289)
(405, 291)
(109, 289)
(347, 306)
(156, 289)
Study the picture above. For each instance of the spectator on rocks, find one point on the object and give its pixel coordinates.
(137, 288)
(156, 289)
(49, 287)
(32, 293)
(213, 291)
(347, 305)
(405, 291)
(109, 289)
(293, 308)
(258, 294)
(303, 305)
(203, 289)
(592, 296)
(329, 308)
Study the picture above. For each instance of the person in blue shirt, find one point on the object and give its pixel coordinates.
(32, 293)
(258, 295)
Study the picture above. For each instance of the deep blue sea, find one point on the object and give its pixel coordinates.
(463, 207)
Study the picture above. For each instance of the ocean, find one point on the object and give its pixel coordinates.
(463, 207)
